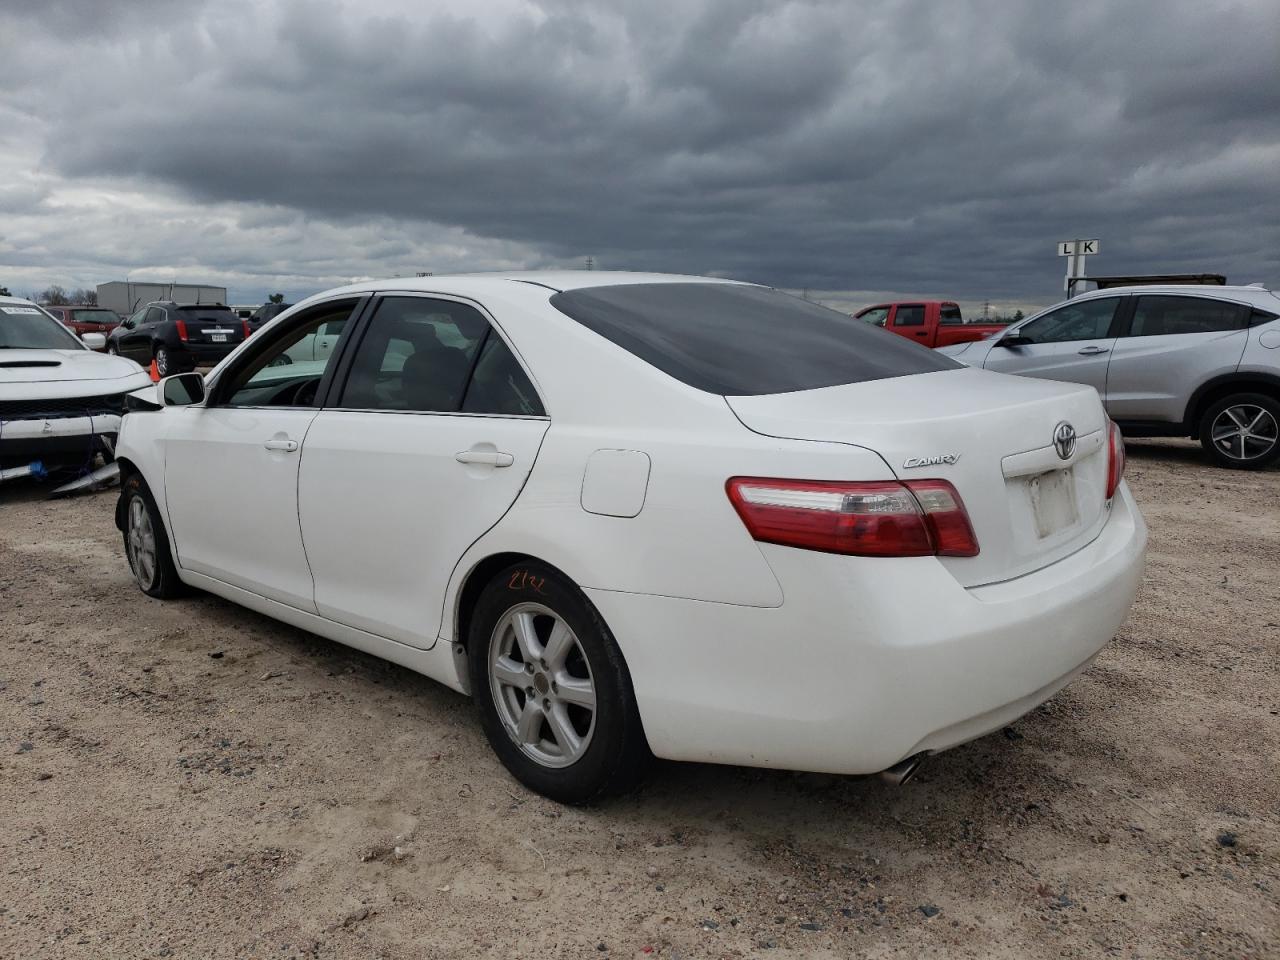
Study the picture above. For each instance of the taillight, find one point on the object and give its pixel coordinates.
(1115, 458)
(245, 325)
(919, 518)
(182, 329)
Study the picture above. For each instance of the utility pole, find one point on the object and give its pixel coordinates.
(591, 263)
(986, 309)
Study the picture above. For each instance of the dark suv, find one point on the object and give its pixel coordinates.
(268, 311)
(179, 337)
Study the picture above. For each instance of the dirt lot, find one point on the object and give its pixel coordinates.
(192, 780)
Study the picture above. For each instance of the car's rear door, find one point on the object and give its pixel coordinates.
(231, 467)
(430, 431)
(1172, 345)
(1072, 342)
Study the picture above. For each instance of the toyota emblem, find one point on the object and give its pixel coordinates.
(1064, 440)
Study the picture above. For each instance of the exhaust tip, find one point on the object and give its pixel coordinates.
(903, 770)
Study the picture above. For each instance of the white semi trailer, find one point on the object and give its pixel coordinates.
(126, 296)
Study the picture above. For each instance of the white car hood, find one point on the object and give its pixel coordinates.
(39, 374)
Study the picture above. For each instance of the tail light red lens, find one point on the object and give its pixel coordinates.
(245, 325)
(920, 518)
(182, 329)
(1115, 458)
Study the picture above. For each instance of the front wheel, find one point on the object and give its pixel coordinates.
(145, 544)
(553, 691)
(1242, 431)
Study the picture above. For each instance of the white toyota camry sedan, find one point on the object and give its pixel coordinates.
(640, 515)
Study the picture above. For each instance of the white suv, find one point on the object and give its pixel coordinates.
(1177, 361)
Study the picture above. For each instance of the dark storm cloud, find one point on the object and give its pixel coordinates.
(831, 145)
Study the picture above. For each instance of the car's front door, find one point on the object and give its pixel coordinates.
(1172, 345)
(421, 449)
(231, 467)
(135, 341)
(1071, 343)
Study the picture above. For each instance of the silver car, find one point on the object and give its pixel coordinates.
(1169, 361)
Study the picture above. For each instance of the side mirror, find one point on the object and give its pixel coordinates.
(182, 390)
(1013, 340)
(94, 341)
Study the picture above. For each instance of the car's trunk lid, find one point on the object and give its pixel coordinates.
(990, 435)
(206, 325)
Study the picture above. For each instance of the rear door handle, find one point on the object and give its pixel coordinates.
(288, 446)
(1091, 351)
(492, 458)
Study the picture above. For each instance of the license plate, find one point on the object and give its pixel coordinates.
(1053, 500)
(218, 337)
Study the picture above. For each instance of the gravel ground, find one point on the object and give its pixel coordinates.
(189, 779)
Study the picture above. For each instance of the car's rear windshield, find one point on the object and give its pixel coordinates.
(24, 327)
(739, 340)
(95, 315)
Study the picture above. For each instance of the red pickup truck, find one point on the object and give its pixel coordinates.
(935, 323)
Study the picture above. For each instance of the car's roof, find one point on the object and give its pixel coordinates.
(21, 300)
(557, 280)
(1251, 292)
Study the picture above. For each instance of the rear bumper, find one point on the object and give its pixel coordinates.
(869, 660)
(204, 353)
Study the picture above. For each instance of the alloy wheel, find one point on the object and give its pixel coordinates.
(542, 685)
(1245, 431)
(142, 543)
(162, 362)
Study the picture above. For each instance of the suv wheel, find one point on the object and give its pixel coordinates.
(553, 691)
(1242, 431)
(111, 349)
(164, 364)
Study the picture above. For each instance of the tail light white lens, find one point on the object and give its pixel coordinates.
(876, 519)
(1115, 459)
(182, 329)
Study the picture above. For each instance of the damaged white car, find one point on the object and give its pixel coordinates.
(60, 402)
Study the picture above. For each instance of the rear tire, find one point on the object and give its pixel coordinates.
(111, 349)
(146, 545)
(1242, 431)
(553, 691)
(164, 363)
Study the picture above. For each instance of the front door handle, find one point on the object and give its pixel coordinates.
(288, 446)
(491, 458)
(1091, 351)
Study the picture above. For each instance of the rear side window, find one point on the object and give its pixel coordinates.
(909, 315)
(949, 314)
(1164, 316)
(1259, 317)
(744, 341)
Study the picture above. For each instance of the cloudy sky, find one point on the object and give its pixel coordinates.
(853, 149)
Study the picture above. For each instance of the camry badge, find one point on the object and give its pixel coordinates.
(946, 458)
(1064, 440)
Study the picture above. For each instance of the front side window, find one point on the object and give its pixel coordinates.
(1164, 316)
(272, 377)
(909, 315)
(740, 340)
(1084, 320)
(876, 316)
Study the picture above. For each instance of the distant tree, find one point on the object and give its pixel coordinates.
(54, 295)
(1018, 315)
(4, 292)
(276, 298)
(85, 297)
